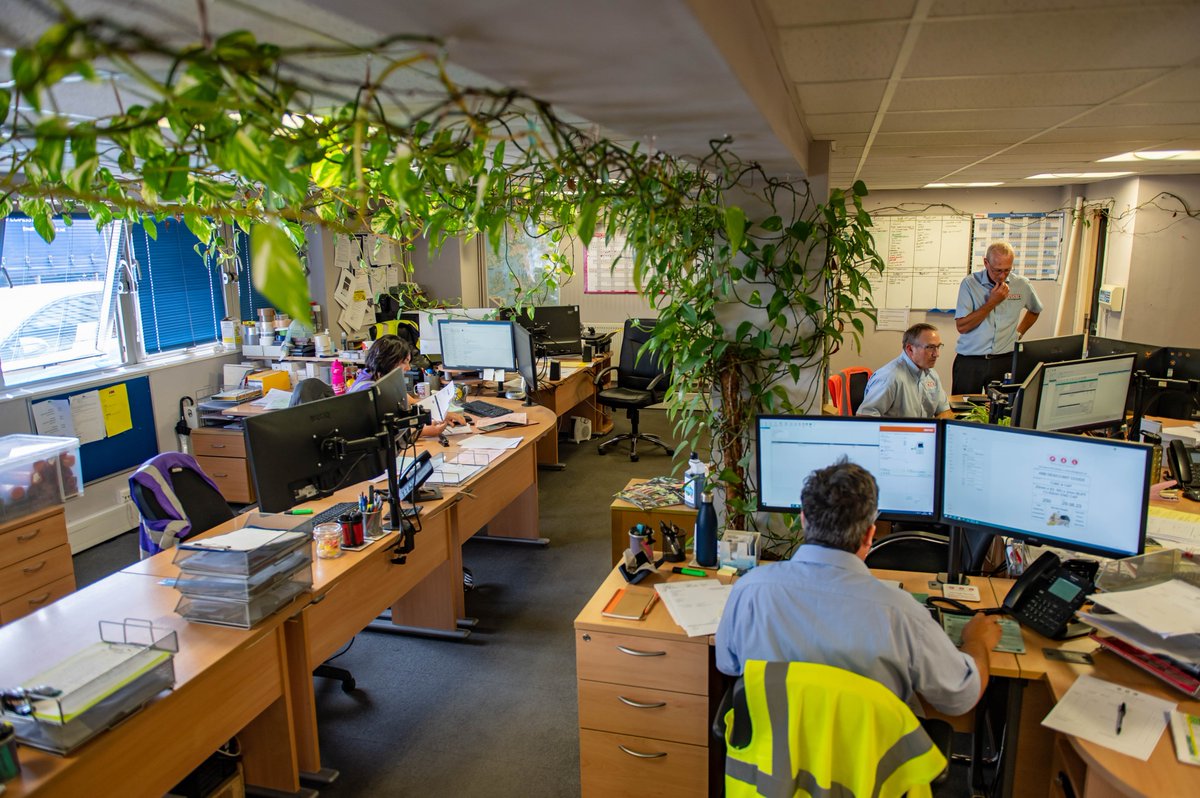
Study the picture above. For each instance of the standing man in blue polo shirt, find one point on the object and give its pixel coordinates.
(989, 320)
(908, 387)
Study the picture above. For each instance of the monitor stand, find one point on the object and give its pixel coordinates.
(953, 574)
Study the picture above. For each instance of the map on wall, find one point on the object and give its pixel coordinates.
(520, 264)
(608, 267)
(925, 258)
(1036, 237)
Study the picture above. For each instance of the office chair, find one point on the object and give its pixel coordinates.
(927, 551)
(854, 380)
(824, 705)
(641, 381)
(837, 393)
(175, 500)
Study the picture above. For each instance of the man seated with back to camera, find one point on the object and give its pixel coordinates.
(824, 606)
(388, 353)
(908, 387)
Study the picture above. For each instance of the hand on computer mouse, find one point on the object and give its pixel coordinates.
(469, 419)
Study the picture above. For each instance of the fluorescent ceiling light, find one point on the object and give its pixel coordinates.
(1154, 155)
(963, 185)
(1080, 175)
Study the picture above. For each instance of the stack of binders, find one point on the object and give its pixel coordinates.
(239, 578)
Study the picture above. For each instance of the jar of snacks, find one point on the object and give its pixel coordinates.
(329, 540)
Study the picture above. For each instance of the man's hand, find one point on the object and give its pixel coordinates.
(982, 629)
(998, 294)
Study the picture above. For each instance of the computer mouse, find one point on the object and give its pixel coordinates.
(468, 419)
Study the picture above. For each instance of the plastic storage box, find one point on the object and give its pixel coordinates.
(1132, 573)
(36, 472)
(203, 585)
(244, 613)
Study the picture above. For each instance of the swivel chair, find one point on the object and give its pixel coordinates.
(642, 380)
(175, 500)
(854, 382)
(837, 393)
(927, 551)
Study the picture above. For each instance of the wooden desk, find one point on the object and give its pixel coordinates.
(573, 395)
(625, 515)
(227, 682)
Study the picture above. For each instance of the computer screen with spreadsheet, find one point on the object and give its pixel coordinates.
(470, 344)
(902, 455)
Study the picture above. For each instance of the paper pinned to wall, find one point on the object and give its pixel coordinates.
(360, 287)
(891, 319)
(343, 292)
(114, 404)
(88, 417)
(344, 252)
(353, 316)
(53, 417)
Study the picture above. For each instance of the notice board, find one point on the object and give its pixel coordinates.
(114, 423)
(925, 258)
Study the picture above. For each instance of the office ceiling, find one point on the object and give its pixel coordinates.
(909, 92)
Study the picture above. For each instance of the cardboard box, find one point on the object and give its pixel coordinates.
(272, 378)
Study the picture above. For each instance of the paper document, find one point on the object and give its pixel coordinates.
(696, 604)
(276, 399)
(53, 417)
(114, 404)
(247, 538)
(1181, 647)
(1185, 731)
(91, 675)
(1169, 608)
(1092, 709)
(1173, 527)
(439, 403)
(490, 442)
(1011, 641)
(88, 417)
(459, 429)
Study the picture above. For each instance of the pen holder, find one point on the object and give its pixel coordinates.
(352, 528)
(329, 540)
(10, 766)
(373, 523)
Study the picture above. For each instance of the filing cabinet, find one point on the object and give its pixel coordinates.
(221, 453)
(35, 563)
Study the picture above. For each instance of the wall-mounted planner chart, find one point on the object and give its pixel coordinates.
(925, 258)
(1036, 237)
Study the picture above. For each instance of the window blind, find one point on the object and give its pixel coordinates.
(249, 299)
(179, 295)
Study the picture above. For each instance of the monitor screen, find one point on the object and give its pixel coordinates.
(902, 455)
(286, 454)
(1084, 394)
(1025, 405)
(1083, 494)
(1027, 354)
(391, 394)
(1149, 358)
(470, 344)
(556, 328)
(526, 359)
(430, 342)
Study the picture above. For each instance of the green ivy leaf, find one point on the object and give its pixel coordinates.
(585, 225)
(276, 270)
(772, 224)
(735, 227)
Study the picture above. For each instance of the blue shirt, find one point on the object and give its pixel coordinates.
(997, 333)
(824, 606)
(899, 389)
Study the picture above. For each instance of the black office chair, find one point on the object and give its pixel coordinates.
(203, 505)
(642, 380)
(926, 551)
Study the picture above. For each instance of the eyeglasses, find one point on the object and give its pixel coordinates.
(930, 347)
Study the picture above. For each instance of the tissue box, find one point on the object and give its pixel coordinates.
(738, 548)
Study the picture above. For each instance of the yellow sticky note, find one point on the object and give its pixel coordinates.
(114, 403)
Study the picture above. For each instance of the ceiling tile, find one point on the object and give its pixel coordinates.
(803, 13)
(841, 52)
(1141, 114)
(1070, 88)
(840, 97)
(952, 8)
(1119, 134)
(826, 125)
(1039, 118)
(1180, 86)
(941, 138)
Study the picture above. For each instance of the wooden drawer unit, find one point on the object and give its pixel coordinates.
(624, 709)
(641, 661)
(35, 572)
(622, 764)
(36, 599)
(221, 453)
(32, 535)
(35, 563)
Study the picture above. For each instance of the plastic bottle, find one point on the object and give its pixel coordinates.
(693, 480)
(337, 377)
(705, 541)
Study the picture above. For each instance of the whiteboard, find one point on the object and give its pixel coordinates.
(608, 266)
(925, 258)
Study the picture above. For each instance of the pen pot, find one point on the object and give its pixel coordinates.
(352, 528)
(10, 766)
(329, 540)
(373, 523)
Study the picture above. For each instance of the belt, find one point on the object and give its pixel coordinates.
(986, 357)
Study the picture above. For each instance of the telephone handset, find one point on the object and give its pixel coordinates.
(1047, 595)
(1184, 463)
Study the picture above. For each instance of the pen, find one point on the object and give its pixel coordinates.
(300, 511)
(1120, 716)
(1190, 737)
(688, 571)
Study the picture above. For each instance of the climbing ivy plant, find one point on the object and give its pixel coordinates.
(753, 295)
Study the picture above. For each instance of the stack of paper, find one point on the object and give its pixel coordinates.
(489, 442)
(1174, 529)
(696, 605)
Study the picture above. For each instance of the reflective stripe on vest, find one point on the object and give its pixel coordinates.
(910, 760)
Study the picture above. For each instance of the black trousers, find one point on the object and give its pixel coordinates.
(972, 373)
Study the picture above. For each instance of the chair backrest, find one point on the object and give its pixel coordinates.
(310, 390)
(638, 369)
(176, 500)
(800, 709)
(836, 393)
(910, 551)
(854, 378)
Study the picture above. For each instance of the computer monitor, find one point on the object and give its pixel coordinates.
(1148, 358)
(471, 344)
(1183, 364)
(1077, 395)
(556, 328)
(1075, 492)
(1025, 403)
(290, 459)
(1027, 354)
(901, 454)
(391, 394)
(526, 359)
(430, 342)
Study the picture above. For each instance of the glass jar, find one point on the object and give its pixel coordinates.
(329, 540)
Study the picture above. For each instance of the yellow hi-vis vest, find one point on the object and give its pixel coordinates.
(825, 732)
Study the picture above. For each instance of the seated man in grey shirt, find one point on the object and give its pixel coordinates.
(824, 606)
(908, 387)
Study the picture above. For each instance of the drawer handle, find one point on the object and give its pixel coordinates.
(640, 705)
(40, 599)
(217, 445)
(633, 652)
(640, 755)
(30, 536)
(218, 474)
(35, 568)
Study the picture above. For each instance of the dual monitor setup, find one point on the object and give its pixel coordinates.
(1078, 493)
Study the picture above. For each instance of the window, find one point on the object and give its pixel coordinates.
(248, 297)
(57, 299)
(179, 293)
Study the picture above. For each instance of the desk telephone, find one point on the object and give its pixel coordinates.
(1049, 592)
(1184, 463)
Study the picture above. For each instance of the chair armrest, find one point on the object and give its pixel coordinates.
(654, 382)
(603, 373)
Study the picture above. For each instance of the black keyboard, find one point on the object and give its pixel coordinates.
(486, 409)
(328, 515)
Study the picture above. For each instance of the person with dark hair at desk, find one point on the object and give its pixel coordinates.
(388, 353)
(824, 606)
(989, 320)
(908, 387)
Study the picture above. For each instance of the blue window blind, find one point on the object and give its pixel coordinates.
(179, 295)
(248, 297)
